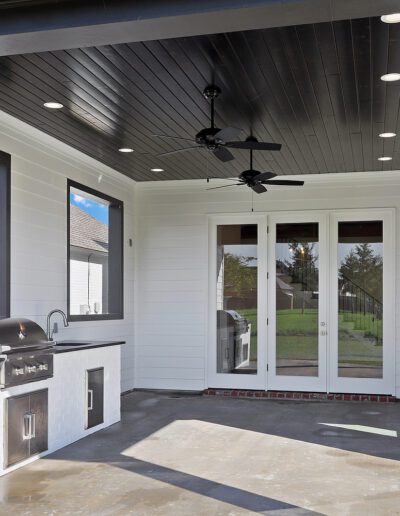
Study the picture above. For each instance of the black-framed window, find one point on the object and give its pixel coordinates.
(95, 254)
(5, 210)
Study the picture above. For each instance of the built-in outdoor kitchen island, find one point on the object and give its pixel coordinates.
(53, 393)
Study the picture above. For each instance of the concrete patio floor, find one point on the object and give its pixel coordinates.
(195, 455)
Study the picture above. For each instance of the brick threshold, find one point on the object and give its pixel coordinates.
(290, 395)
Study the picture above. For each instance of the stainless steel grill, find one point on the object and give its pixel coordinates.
(26, 354)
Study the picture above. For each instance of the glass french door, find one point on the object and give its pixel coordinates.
(361, 339)
(237, 312)
(305, 302)
(297, 314)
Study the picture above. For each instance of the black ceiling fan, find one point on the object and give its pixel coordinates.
(256, 180)
(218, 140)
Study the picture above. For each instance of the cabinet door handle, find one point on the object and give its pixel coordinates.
(33, 425)
(90, 399)
(27, 426)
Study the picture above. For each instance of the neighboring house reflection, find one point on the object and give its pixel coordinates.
(88, 263)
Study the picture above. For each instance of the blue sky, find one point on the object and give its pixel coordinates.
(96, 209)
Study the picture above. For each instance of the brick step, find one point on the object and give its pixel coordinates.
(290, 395)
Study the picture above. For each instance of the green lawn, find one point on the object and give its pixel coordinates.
(297, 336)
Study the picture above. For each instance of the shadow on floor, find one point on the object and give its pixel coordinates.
(217, 491)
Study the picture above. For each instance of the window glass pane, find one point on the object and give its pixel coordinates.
(360, 288)
(89, 238)
(237, 299)
(95, 254)
(297, 274)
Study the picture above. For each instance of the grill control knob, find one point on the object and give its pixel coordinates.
(43, 367)
(18, 371)
(31, 369)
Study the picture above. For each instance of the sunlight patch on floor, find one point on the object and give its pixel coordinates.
(363, 428)
(307, 475)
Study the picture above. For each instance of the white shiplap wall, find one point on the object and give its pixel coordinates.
(172, 262)
(40, 168)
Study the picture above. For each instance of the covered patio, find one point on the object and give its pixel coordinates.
(199, 257)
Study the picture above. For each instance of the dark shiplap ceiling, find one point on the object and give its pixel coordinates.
(314, 88)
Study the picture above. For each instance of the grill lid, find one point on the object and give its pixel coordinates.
(21, 334)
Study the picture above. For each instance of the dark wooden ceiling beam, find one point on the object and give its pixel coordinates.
(44, 26)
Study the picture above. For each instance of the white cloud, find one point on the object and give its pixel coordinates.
(78, 199)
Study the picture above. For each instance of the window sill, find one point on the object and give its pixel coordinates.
(95, 317)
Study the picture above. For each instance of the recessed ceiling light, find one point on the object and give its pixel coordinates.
(387, 135)
(390, 77)
(157, 170)
(125, 149)
(385, 158)
(391, 18)
(53, 105)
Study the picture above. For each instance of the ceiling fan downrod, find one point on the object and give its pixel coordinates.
(211, 93)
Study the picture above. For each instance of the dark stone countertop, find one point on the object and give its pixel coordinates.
(81, 345)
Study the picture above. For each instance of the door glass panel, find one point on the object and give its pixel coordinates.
(297, 276)
(237, 299)
(360, 288)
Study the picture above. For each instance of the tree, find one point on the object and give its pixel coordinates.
(303, 270)
(302, 266)
(362, 268)
(240, 278)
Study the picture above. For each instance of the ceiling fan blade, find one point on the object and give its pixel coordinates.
(224, 186)
(264, 176)
(223, 154)
(228, 134)
(258, 188)
(172, 137)
(222, 178)
(254, 145)
(170, 153)
(286, 182)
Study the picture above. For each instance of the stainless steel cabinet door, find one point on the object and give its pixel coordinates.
(38, 409)
(17, 429)
(95, 397)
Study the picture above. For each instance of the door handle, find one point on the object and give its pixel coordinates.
(90, 399)
(29, 425)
